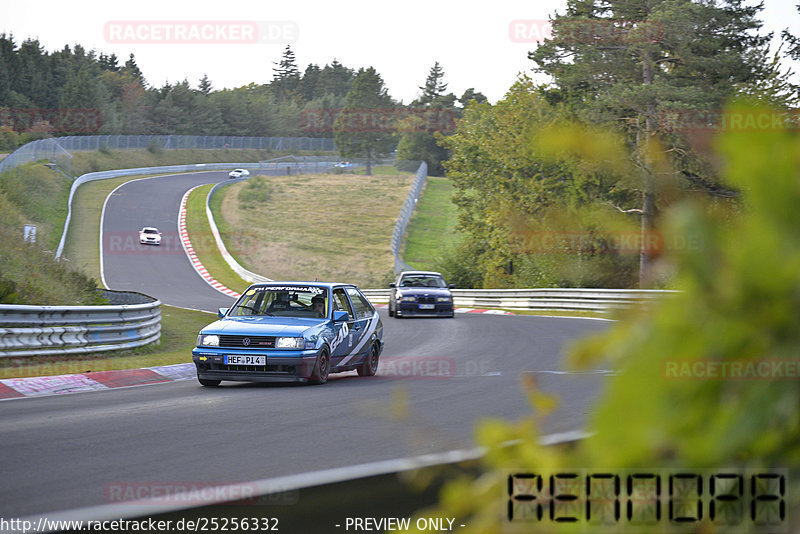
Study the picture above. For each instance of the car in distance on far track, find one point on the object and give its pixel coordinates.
(291, 332)
(422, 294)
(239, 173)
(343, 167)
(149, 235)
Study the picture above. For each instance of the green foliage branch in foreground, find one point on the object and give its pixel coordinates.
(739, 301)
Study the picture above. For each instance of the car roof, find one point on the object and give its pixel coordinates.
(149, 228)
(421, 272)
(329, 285)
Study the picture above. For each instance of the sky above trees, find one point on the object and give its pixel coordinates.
(474, 46)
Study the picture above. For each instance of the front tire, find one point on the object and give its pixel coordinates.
(321, 369)
(370, 365)
(208, 383)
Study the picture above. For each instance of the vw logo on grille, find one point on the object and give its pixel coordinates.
(246, 341)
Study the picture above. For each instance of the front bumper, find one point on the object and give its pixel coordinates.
(282, 366)
(440, 309)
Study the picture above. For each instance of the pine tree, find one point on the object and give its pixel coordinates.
(418, 141)
(205, 85)
(470, 95)
(434, 86)
(793, 41)
(307, 88)
(365, 126)
(286, 75)
(9, 69)
(334, 79)
(632, 61)
(133, 69)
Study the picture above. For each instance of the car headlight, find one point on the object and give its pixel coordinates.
(443, 299)
(408, 299)
(208, 340)
(290, 343)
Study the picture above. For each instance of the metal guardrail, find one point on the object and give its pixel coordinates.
(56, 149)
(62, 330)
(577, 299)
(405, 215)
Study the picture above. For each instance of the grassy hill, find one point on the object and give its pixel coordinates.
(326, 226)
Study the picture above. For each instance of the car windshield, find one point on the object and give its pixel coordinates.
(150, 231)
(282, 301)
(422, 280)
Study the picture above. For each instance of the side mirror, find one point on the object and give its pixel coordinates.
(392, 285)
(222, 311)
(451, 286)
(340, 316)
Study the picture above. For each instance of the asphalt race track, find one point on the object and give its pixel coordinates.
(438, 377)
(161, 271)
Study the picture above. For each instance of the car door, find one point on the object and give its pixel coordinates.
(343, 341)
(363, 328)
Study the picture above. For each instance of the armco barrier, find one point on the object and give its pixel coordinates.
(62, 330)
(56, 149)
(578, 299)
(405, 215)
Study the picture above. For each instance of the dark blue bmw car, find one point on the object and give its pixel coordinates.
(291, 332)
(421, 293)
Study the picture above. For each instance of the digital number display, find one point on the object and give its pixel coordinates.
(628, 500)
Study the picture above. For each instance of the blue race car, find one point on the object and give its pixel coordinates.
(291, 332)
(421, 293)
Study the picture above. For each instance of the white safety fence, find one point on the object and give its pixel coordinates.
(577, 299)
(405, 216)
(62, 330)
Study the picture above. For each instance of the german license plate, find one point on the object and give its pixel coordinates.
(241, 359)
(427, 306)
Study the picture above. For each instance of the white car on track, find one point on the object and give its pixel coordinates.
(239, 173)
(149, 235)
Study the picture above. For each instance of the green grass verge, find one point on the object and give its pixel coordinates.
(82, 249)
(432, 225)
(203, 241)
(334, 227)
(179, 328)
(382, 170)
(40, 196)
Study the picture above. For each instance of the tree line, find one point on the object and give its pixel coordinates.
(74, 91)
